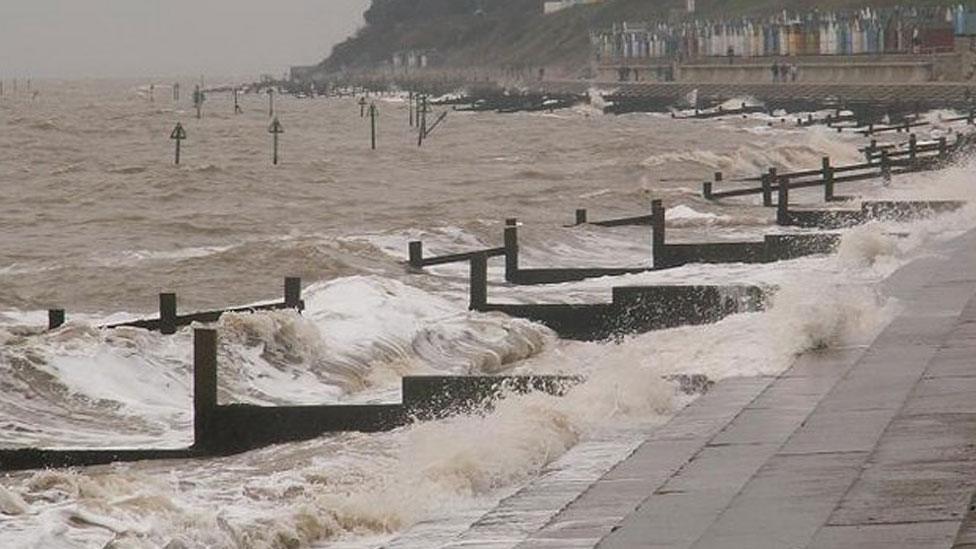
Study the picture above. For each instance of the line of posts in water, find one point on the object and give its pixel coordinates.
(418, 108)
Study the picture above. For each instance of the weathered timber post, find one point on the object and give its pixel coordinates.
(271, 105)
(828, 178)
(707, 186)
(198, 101)
(410, 108)
(178, 135)
(657, 234)
(478, 282)
(511, 250)
(767, 187)
(422, 114)
(237, 104)
(971, 117)
(415, 250)
(167, 313)
(885, 168)
(204, 386)
(293, 293)
(870, 151)
(275, 129)
(362, 107)
(372, 125)
(783, 202)
(912, 150)
(55, 318)
(943, 149)
(581, 216)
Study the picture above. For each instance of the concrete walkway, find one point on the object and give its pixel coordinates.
(862, 447)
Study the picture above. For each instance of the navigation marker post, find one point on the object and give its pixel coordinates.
(373, 113)
(275, 129)
(271, 105)
(362, 107)
(179, 134)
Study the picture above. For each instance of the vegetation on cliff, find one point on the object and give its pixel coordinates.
(515, 33)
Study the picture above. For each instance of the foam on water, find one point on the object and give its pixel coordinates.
(801, 152)
(360, 333)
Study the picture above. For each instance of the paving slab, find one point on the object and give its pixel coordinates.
(916, 535)
(870, 446)
(785, 503)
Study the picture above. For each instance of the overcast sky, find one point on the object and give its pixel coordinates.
(118, 38)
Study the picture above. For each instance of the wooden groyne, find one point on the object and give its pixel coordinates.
(169, 320)
(883, 163)
(868, 99)
(224, 429)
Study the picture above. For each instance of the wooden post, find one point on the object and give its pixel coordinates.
(828, 178)
(707, 190)
(511, 251)
(783, 202)
(293, 293)
(657, 233)
(372, 125)
(885, 168)
(971, 118)
(204, 386)
(410, 108)
(415, 250)
(912, 149)
(943, 150)
(55, 318)
(167, 313)
(870, 150)
(581, 216)
(478, 282)
(767, 187)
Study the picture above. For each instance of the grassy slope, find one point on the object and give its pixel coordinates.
(514, 32)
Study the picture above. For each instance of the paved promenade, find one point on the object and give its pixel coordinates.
(865, 447)
(925, 93)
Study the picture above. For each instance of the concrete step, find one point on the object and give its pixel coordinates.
(885, 459)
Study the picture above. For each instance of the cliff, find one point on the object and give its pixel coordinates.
(515, 33)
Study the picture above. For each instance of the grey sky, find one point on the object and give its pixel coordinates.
(75, 38)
